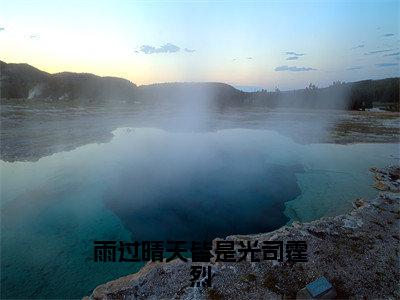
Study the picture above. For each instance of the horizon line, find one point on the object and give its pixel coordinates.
(236, 86)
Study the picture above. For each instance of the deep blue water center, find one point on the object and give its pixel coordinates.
(228, 195)
(151, 184)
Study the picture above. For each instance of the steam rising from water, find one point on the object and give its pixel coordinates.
(301, 115)
(211, 170)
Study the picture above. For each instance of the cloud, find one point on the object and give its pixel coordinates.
(393, 54)
(388, 34)
(292, 58)
(356, 47)
(378, 51)
(296, 54)
(166, 48)
(2, 28)
(386, 64)
(293, 69)
(354, 68)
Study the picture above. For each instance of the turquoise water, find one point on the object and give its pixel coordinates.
(149, 183)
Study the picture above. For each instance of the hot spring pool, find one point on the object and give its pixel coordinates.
(151, 184)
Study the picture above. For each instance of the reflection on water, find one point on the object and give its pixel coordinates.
(153, 184)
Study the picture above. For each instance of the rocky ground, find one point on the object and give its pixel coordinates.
(366, 127)
(357, 252)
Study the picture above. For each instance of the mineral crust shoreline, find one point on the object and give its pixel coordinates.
(357, 252)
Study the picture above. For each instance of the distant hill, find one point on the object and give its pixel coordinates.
(195, 94)
(18, 80)
(382, 93)
(25, 81)
(249, 88)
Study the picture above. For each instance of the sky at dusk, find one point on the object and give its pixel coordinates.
(285, 44)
